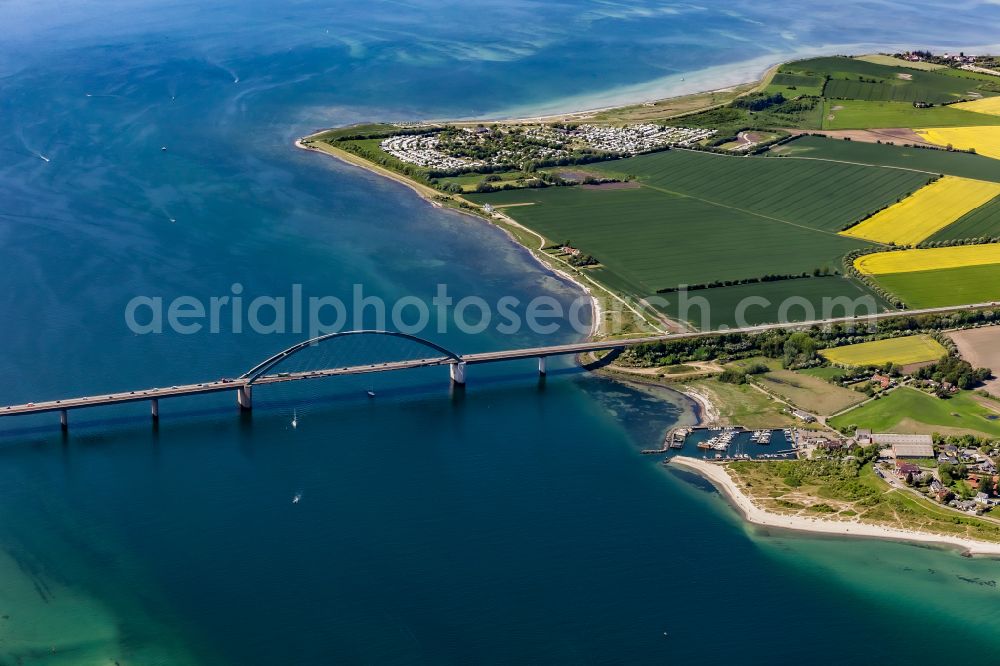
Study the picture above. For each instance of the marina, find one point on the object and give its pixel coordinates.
(732, 443)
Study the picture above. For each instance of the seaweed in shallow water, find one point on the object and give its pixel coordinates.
(978, 581)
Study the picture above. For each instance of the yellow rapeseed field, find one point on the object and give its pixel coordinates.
(909, 261)
(927, 211)
(990, 105)
(902, 351)
(986, 140)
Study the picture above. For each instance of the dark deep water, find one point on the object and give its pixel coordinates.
(514, 521)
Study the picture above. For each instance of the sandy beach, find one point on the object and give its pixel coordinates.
(720, 478)
(707, 411)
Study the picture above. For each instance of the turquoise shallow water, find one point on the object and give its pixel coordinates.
(512, 522)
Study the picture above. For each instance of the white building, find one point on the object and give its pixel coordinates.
(906, 446)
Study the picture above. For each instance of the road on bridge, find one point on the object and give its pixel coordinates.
(243, 385)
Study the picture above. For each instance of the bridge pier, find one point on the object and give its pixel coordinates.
(154, 409)
(244, 398)
(541, 365)
(64, 420)
(458, 373)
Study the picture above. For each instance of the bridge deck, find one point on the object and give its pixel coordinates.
(483, 357)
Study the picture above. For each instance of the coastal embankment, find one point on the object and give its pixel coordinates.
(720, 478)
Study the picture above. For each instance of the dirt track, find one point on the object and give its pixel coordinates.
(898, 135)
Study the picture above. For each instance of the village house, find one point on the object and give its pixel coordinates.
(941, 492)
(904, 469)
(964, 505)
(882, 381)
(803, 416)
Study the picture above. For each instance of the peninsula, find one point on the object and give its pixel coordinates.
(799, 182)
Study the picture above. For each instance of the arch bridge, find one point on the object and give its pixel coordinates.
(436, 355)
(267, 372)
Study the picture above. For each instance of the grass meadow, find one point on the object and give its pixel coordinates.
(880, 59)
(908, 410)
(809, 393)
(860, 114)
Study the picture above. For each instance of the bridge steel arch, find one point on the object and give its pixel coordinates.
(256, 372)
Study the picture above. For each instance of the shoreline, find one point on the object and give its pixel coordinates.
(428, 194)
(714, 78)
(753, 514)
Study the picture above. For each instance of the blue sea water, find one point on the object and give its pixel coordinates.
(512, 521)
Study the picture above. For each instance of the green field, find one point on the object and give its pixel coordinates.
(366, 129)
(794, 85)
(650, 239)
(901, 351)
(884, 92)
(857, 114)
(809, 393)
(855, 93)
(698, 218)
(881, 154)
(824, 296)
(880, 59)
(855, 79)
(820, 195)
(469, 181)
(728, 120)
(979, 223)
(908, 410)
(948, 286)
